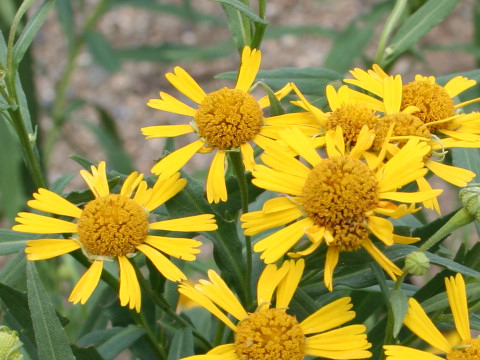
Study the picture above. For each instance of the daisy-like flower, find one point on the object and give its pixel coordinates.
(113, 227)
(421, 325)
(270, 333)
(337, 199)
(434, 103)
(225, 120)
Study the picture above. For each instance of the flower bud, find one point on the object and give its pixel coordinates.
(416, 263)
(470, 197)
(9, 344)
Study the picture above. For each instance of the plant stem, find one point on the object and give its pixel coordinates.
(243, 186)
(390, 24)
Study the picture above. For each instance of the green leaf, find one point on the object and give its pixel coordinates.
(111, 342)
(275, 105)
(399, 304)
(452, 265)
(243, 9)
(65, 17)
(33, 25)
(182, 344)
(102, 52)
(85, 353)
(52, 342)
(416, 26)
(311, 81)
(175, 52)
(239, 27)
(11, 241)
(227, 245)
(13, 274)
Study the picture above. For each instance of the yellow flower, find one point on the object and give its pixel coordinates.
(113, 226)
(225, 120)
(336, 199)
(420, 324)
(270, 333)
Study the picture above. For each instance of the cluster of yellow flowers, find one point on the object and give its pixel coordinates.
(339, 175)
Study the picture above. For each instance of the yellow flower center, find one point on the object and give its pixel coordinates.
(112, 225)
(228, 118)
(432, 100)
(351, 118)
(270, 334)
(338, 194)
(468, 350)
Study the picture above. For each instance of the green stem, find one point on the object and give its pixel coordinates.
(259, 28)
(246, 25)
(163, 304)
(138, 317)
(390, 24)
(58, 109)
(462, 217)
(243, 186)
(219, 333)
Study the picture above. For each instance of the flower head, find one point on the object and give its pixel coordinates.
(420, 324)
(271, 333)
(339, 199)
(225, 120)
(113, 227)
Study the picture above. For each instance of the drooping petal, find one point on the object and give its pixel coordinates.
(457, 297)
(251, 59)
(129, 292)
(41, 224)
(87, 283)
(454, 175)
(48, 201)
(221, 352)
(216, 187)
(163, 190)
(414, 197)
(458, 85)
(170, 104)
(423, 185)
(173, 162)
(184, 83)
(131, 183)
(163, 131)
(392, 97)
(276, 159)
(274, 180)
(382, 228)
(268, 282)
(329, 316)
(198, 297)
(220, 294)
(247, 156)
(289, 283)
(277, 244)
(382, 260)
(167, 268)
(42, 249)
(181, 248)
(397, 352)
(331, 262)
(420, 324)
(300, 144)
(204, 222)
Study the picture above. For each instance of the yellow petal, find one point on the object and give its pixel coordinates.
(170, 104)
(167, 268)
(216, 187)
(392, 97)
(163, 190)
(300, 144)
(432, 203)
(162, 131)
(420, 324)
(457, 297)
(131, 183)
(273, 180)
(48, 201)
(97, 179)
(198, 297)
(264, 102)
(42, 249)
(277, 244)
(381, 228)
(205, 222)
(396, 352)
(247, 155)
(251, 59)
(268, 282)
(366, 81)
(288, 285)
(454, 175)
(414, 197)
(257, 221)
(329, 316)
(184, 83)
(181, 248)
(331, 262)
(335, 143)
(173, 162)
(276, 159)
(458, 85)
(87, 283)
(382, 260)
(398, 239)
(41, 224)
(220, 294)
(129, 292)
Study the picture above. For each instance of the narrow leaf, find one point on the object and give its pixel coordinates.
(244, 9)
(12, 242)
(52, 342)
(182, 344)
(399, 304)
(102, 51)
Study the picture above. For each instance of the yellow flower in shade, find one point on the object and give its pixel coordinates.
(420, 324)
(113, 227)
(270, 333)
(225, 120)
(339, 199)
